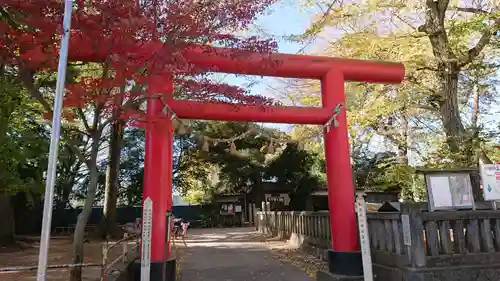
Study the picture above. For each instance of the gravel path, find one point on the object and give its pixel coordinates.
(232, 254)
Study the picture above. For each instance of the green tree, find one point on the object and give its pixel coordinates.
(299, 169)
(445, 47)
(438, 113)
(23, 145)
(131, 173)
(227, 158)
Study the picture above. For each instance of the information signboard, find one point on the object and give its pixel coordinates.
(449, 191)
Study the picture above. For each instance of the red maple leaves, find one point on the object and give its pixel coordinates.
(30, 33)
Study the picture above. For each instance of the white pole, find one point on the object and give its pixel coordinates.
(364, 238)
(54, 145)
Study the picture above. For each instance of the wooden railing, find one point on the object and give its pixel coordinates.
(412, 238)
(469, 232)
(70, 229)
(127, 252)
(312, 228)
(125, 255)
(437, 238)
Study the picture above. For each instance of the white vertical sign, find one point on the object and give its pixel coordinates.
(405, 222)
(364, 238)
(490, 177)
(147, 217)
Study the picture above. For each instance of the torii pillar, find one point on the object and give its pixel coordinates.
(158, 176)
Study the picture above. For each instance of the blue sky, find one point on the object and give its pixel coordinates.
(283, 19)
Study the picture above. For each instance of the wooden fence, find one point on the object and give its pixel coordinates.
(436, 238)
(452, 245)
(312, 227)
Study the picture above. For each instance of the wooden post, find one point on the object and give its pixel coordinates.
(254, 209)
(125, 248)
(264, 220)
(251, 214)
(364, 237)
(413, 234)
(104, 261)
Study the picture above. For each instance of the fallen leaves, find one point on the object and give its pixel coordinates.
(309, 264)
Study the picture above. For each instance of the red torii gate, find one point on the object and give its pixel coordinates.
(344, 257)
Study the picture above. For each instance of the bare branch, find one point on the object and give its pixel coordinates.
(74, 147)
(426, 68)
(81, 114)
(468, 10)
(405, 21)
(26, 78)
(481, 44)
(75, 129)
(425, 107)
(131, 103)
(485, 38)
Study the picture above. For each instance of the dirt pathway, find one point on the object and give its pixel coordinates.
(233, 254)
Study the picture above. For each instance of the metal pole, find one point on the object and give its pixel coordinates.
(169, 229)
(54, 144)
(56, 266)
(167, 245)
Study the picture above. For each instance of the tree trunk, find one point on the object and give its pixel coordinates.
(9, 101)
(450, 115)
(448, 71)
(83, 217)
(70, 177)
(475, 108)
(7, 221)
(403, 151)
(111, 189)
(482, 158)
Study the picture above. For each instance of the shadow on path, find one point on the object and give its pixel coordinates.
(233, 254)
